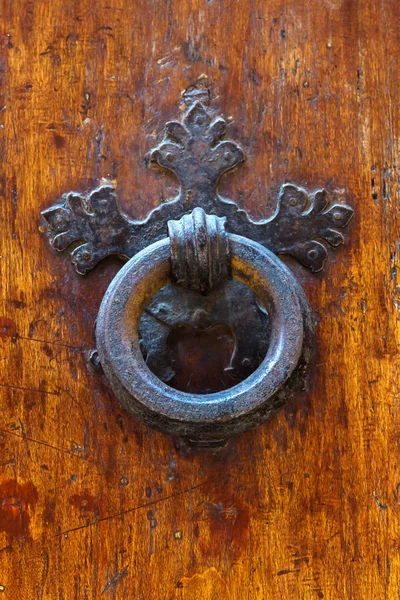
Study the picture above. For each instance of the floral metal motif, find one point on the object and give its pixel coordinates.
(197, 153)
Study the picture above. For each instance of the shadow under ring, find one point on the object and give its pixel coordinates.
(202, 417)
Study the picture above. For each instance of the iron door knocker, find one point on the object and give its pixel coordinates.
(199, 241)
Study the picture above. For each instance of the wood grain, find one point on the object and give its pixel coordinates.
(93, 504)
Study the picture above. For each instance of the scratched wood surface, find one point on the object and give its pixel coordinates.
(93, 504)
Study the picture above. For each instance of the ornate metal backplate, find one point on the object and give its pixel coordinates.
(197, 152)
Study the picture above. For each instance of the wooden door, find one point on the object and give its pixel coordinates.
(92, 503)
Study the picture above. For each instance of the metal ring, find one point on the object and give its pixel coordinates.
(203, 416)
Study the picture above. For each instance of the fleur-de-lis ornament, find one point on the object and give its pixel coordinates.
(197, 153)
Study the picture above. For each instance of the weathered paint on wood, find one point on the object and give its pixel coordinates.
(93, 504)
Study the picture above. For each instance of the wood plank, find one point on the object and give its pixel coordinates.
(93, 504)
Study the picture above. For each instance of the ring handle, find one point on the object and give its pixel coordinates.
(205, 418)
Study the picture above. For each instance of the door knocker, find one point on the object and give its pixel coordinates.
(181, 265)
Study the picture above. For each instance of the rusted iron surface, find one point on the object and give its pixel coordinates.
(205, 417)
(204, 344)
(200, 258)
(196, 152)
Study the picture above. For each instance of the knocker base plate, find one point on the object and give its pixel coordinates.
(228, 329)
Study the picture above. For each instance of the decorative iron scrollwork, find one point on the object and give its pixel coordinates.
(196, 152)
(210, 238)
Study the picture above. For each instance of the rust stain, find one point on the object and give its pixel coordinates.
(7, 328)
(49, 512)
(85, 503)
(231, 520)
(17, 500)
(281, 439)
(200, 356)
(59, 141)
(47, 351)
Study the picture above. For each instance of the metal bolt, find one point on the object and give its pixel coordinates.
(94, 359)
(178, 535)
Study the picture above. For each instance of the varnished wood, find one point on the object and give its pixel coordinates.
(93, 504)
